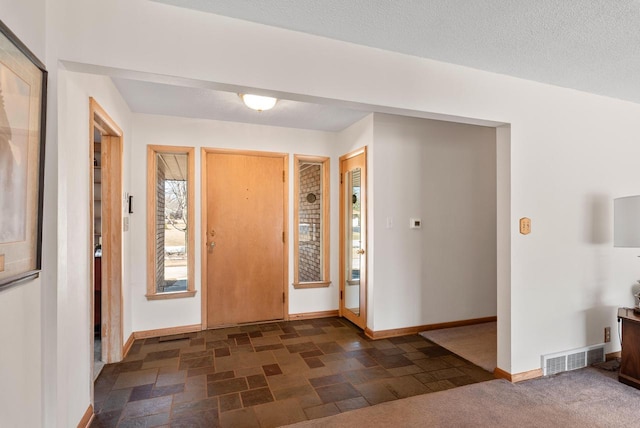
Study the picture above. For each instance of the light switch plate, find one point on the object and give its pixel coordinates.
(525, 225)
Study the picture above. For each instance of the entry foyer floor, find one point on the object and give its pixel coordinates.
(270, 375)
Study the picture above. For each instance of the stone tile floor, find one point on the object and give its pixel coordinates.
(269, 375)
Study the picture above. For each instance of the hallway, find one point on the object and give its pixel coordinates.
(270, 375)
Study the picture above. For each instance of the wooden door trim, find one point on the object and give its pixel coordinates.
(244, 152)
(202, 239)
(204, 151)
(353, 154)
(112, 248)
(112, 283)
(108, 125)
(342, 291)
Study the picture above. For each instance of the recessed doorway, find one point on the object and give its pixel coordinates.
(105, 258)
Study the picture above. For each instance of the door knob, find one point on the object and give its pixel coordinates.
(361, 252)
(211, 244)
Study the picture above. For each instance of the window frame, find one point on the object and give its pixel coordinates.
(325, 223)
(152, 165)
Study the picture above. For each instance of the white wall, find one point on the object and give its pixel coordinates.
(444, 174)
(74, 288)
(20, 306)
(162, 130)
(503, 243)
(26, 19)
(20, 368)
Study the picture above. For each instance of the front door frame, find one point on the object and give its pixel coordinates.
(203, 223)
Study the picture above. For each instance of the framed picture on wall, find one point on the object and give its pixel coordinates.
(23, 88)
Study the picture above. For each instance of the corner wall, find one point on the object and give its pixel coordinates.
(444, 174)
(503, 245)
(74, 325)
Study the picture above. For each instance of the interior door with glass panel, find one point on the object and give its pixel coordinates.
(353, 260)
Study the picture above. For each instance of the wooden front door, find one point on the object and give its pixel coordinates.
(245, 226)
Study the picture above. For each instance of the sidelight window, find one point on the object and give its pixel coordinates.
(311, 222)
(170, 222)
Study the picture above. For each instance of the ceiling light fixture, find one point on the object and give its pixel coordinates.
(258, 102)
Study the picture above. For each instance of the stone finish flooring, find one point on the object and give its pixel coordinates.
(270, 375)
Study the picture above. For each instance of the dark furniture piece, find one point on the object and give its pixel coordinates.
(630, 359)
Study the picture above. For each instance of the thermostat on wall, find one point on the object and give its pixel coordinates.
(415, 223)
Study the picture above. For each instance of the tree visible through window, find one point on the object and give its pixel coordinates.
(171, 216)
(175, 237)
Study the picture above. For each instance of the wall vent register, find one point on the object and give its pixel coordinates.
(573, 359)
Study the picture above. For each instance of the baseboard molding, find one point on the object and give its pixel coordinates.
(613, 356)
(313, 315)
(517, 377)
(383, 334)
(127, 346)
(501, 374)
(166, 331)
(86, 418)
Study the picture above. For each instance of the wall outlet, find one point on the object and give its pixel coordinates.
(607, 334)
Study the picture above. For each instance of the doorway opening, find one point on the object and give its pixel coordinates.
(105, 257)
(98, 362)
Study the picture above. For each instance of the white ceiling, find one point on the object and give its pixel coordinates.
(589, 45)
(205, 103)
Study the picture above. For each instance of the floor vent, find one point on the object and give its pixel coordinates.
(571, 360)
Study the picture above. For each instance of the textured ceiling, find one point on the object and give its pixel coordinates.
(589, 45)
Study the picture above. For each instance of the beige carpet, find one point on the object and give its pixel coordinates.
(581, 398)
(476, 343)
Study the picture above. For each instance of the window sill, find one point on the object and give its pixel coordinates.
(171, 295)
(318, 284)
